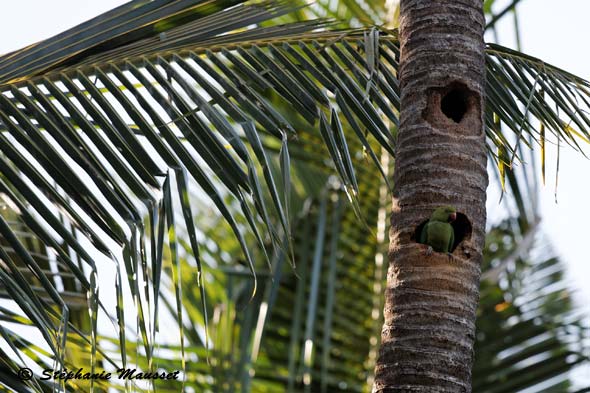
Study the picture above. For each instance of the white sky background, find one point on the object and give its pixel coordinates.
(552, 31)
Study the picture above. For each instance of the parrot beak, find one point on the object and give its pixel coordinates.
(452, 217)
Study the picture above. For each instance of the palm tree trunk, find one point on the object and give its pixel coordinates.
(431, 301)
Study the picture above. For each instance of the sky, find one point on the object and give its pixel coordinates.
(551, 31)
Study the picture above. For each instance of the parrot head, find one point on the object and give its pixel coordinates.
(444, 214)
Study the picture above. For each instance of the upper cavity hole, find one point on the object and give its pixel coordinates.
(454, 104)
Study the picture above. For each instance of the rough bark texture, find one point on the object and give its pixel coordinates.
(427, 338)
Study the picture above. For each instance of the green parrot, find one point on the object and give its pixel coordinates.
(438, 233)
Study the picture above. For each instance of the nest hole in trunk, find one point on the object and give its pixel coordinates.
(461, 226)
(454, 108)
(454, 103)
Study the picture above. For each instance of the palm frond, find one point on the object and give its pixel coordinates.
(105, 143)
(351, 13)
(313, 323)
(134, 22)
(531, 97)
(495, 17)
(530, 335)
